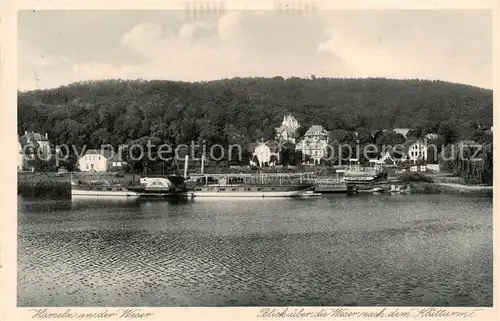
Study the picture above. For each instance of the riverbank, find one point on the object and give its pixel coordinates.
(450, 188)
(59, 184)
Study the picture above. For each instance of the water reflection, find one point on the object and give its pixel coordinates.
(81, 201)
(369, 250)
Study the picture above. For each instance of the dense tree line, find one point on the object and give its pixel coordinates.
(245, 110)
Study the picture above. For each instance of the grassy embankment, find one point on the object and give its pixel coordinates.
(442, 183)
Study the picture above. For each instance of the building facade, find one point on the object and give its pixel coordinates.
(287, 132)
(94, 161)
(314, 143)
(417, 151)
(264, 152)
(32, 145)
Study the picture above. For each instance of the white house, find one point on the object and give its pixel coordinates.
(288, 129)
(95, 161)
(314, 143)
(264, 151)
(417, 150)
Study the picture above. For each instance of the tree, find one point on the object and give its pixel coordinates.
(287, 154)
(255, 159)
(389, 138)
(364, 135)
(448, 131)
(245, 110)
(415, 132)
(343, 136)
(273, 159)
(299, 157)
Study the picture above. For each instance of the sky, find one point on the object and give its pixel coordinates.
(60, 47)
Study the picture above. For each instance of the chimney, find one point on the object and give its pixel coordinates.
(46, 135)
(25, 132)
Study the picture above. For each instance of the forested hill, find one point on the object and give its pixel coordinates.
(116, 111)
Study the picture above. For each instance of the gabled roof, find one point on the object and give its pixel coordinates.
(410, 142)
(105, 153)
(316, 129)
(273, 145)
(39, 137)
(282, 128)
(36, 137)
(29, 146)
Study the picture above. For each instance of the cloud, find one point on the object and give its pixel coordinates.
(238, 44)
(444, 45)
(396, 44)
(37, 68)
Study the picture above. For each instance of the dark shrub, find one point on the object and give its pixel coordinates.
(415, 177)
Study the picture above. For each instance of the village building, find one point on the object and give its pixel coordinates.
(96, 161)
(265, 153)
(416, 150)
(287, 132)
(387, 157)
(314, 143)
(32, 145)
(413, 150)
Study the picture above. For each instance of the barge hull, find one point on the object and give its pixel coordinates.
(102, 193)
(248, 194)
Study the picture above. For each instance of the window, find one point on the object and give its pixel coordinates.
(259, 189)
(198, 189)
(98, 188)
(222, 189)
(99, 157)
(235, 189)
(118, 188)
(109, 189)
(87, 166)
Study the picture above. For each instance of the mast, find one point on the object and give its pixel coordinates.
(185, 166)
(202, 162)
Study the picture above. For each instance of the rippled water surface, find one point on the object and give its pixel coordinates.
(338, 250)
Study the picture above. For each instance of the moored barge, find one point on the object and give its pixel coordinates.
(249, 185)
(100, 188)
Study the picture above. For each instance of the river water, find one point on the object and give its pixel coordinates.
(365, 250)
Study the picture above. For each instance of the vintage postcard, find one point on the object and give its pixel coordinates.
(222, 160)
